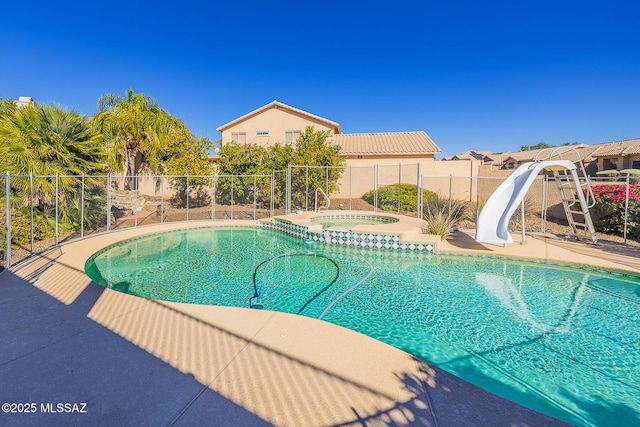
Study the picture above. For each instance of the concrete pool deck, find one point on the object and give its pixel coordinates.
(131, 360)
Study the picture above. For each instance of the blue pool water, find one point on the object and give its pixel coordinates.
(560, 340)
(351, 221)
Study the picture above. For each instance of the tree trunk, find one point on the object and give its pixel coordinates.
(131, 171)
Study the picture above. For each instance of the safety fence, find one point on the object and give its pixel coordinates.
(38, 212)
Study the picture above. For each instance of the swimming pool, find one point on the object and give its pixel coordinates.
(559, 340)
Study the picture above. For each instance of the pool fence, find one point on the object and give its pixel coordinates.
(38, 212)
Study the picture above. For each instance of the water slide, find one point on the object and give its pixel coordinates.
(493, 221)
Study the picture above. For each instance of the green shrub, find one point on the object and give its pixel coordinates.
(388, 197)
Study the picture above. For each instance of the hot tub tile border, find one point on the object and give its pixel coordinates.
(374, 241)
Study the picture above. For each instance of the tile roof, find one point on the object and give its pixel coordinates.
(472, 155)
(280, 105)
(389, 143)
(618, 148)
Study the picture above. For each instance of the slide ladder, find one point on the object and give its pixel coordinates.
(493, 221)
(576, 194)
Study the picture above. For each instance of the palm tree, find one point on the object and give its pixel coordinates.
(134, 126)
(6, 105)
(49, 141)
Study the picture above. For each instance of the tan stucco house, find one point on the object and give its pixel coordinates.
(280, 123)
(618, 155)
(273, 123)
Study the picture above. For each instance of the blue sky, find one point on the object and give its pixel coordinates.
(491, 75)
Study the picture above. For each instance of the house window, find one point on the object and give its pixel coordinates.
(291, 136)
(262, 133)
(635, 164)
(240, 137)
(609, 164)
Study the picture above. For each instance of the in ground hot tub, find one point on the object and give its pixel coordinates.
(350, 221)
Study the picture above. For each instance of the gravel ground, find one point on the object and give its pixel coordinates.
(533, 224)
(558, 229)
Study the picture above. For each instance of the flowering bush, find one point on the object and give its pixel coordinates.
(608, 212)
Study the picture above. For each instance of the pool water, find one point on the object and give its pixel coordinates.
(559, 340)
(350, 222)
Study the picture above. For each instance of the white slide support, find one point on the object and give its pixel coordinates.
(492, 223)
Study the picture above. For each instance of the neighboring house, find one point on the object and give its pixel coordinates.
(23, 101)
(585, 153)
(618, 155)
(511, 160)
(280, 123)
(485, 157)
(273, 123)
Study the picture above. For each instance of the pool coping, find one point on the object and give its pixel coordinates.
(321, 374)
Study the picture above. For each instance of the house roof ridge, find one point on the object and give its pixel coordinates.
(382, 133)
(618, 142)
(276, 104)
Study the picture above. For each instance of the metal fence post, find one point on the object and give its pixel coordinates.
(271, 203)
(231, 199)
(450, 190)
(255, 187)
(543, 209)
(31, 207)
(477, 192)
(419, 195)
(524, 241)
(82, 207)
(399, 184)
(57, 210)
(187, 196)
(213, 197)
(162, 200)
(306, 191)
(326, 180)
(350, 184)
(136, 194)
(288, 190)
(7, 205)
(375, 187)
(626, 209)
(108, 202)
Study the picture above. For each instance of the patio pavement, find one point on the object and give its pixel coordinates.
(126, 360)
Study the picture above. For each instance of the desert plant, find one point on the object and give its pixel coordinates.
(441, 215)
(473, 211)
(530, 211)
